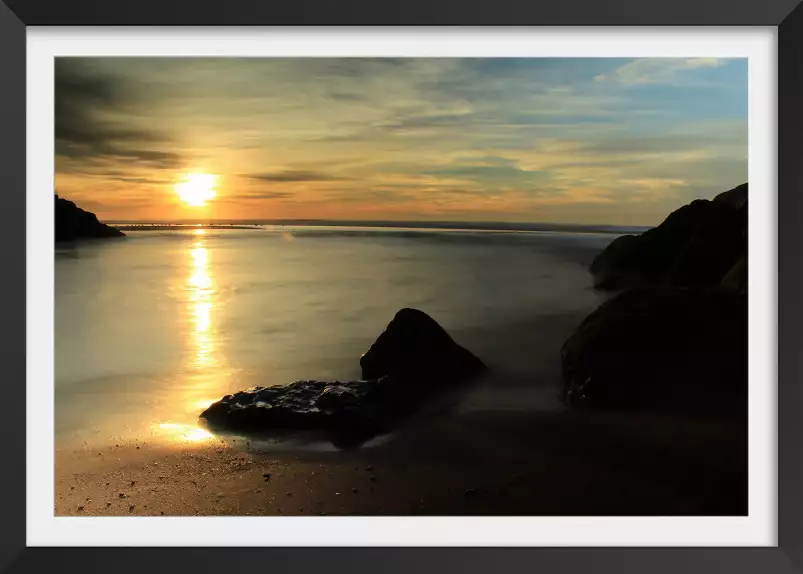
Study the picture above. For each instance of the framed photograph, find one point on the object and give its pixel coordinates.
(438, 286)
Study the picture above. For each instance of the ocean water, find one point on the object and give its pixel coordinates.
(150, 329)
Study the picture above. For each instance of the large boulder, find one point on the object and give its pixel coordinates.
(73, 223)
(661, 348)
(353, 407)
(695, 246)
(417, 349)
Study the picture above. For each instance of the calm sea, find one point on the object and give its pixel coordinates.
(152, 328)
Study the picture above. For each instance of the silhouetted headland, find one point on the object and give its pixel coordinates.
(696, 246)
(677, 338)
(73, 223)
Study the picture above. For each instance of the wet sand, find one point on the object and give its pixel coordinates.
(503, 463)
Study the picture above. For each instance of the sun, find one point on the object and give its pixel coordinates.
(197, 188)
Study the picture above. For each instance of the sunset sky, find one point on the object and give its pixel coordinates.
(533, 140)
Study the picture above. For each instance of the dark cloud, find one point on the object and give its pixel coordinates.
(489, 172)
(144, 180)
(261, 195)
(83, 100)
(432, 121)
(293, 175)
(346, 97)
(655, 143)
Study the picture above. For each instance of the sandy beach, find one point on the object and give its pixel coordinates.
(557, 464)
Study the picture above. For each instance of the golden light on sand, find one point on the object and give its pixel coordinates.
(184, 433)
(196, 189)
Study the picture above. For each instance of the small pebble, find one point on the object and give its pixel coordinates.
(369, 468)
(372, 479)
(266, 476)
(471, 492)
(354, 490)
(72, 488)
(133, 482)
(131, 508)
(289, 494)
(137, 448)
(108, 504)
(337, 494)
(121, 495)
(80, 509)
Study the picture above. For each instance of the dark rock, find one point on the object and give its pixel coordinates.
(661, 348)
(416, 348)
(735, 198)
(695, 246)
(736, 278)
(308, 405)
(73, 223)
(349, 411)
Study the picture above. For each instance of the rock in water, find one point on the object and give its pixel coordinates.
(72, 223)
(305, 405)
(661, 348)
(695, 246)
(417, 349)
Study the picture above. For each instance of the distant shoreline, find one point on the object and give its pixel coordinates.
(423, 225)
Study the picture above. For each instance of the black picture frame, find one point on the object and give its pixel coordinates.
(787, 15)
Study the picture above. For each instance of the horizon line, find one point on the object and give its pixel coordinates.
(410, 224)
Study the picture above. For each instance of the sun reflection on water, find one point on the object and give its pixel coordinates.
(201, 295)
(204, 378)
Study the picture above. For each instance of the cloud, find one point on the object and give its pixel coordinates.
(260, 195)
(292, 175)
(657, 70)
(490, 170)
(84, 130)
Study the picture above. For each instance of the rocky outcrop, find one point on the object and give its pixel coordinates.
(677, 339)
(416, 348)
(72, 223)
(661, 348)
(697, 245)
(351, 406)
(411, 362)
